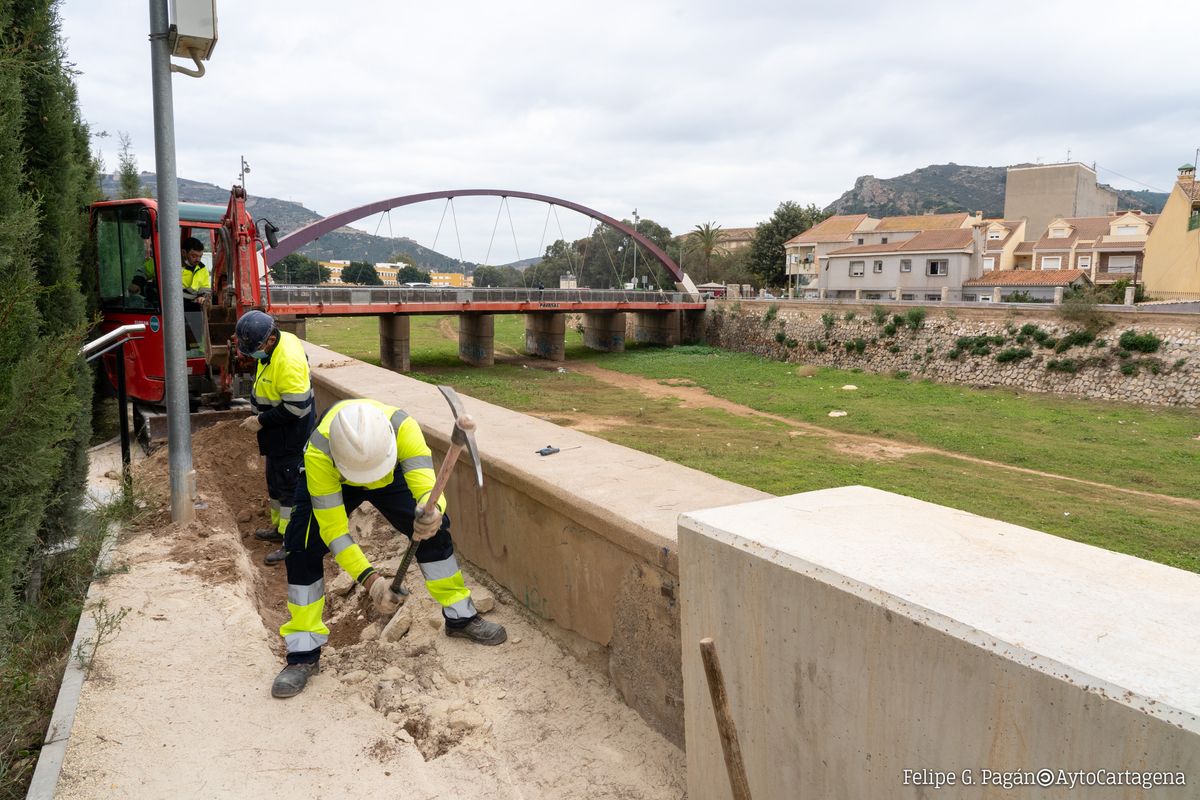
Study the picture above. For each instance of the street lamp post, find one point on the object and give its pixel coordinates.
(242, 175)
(635, 247)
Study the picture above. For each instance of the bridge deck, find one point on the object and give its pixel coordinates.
(370, 300)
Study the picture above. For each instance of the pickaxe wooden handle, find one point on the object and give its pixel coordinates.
(462, 438)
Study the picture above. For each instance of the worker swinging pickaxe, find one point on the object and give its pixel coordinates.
(462, 437)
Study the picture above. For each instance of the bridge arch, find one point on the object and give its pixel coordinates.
(297, 239)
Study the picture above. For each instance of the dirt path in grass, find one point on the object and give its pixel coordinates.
(692, 396)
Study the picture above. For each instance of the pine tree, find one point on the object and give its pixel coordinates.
(129, 180)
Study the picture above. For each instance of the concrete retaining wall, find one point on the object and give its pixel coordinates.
(795, 331)
(863, 634)
(584, 538)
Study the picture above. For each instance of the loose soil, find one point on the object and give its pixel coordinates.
(425, 716)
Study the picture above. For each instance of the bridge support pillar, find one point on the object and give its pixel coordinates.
(477, 339)
(656, 327)
(604, 331)
(692, 326)
(293, 325)
(394, 342)
(545, 335)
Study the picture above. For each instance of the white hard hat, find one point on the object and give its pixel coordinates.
(362, 443)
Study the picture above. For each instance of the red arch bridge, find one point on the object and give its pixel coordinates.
(608, 316)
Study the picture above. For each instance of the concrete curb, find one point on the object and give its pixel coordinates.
(54, 748)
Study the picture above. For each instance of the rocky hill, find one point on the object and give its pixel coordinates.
(344, 243)
(943, 188)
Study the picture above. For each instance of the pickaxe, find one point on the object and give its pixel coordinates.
(463, 436)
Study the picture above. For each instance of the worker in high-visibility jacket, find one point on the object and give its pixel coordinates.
(284, 414)
(366, 451)
(197, 283)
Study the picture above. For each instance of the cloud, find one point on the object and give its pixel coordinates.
(688, 112)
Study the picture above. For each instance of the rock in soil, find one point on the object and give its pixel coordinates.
(342, 585)
(399, 624)
(370, 632)
(483, 599)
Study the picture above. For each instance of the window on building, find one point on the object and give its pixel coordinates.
(1051, 262)
(937, 266)
(995, 235)
(860, 240)
(878, 267)
(1194, 220)
(1122, 264)
(857, 268)
(1128, 230)
(908, 297)
(1085, 262)
(1059, 233)
(989, 264)
(883, 240)
(968, 298)
(906, 265)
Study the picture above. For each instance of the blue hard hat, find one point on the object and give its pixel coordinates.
(253, 329)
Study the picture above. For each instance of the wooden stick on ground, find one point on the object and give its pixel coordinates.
(734, 765)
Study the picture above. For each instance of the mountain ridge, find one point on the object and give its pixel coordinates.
(946, 188)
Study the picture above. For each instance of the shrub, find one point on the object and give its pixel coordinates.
(1068, 365)
(792, 343)
(849, 316)
(1179, 364)
(1081, 308)
(929, 349)
(1099, 343)
(1029, 329)
(953, 354)
(879, 315)
(828, 320)
(1022, 338)
(812, 345)
(1013, 354)
(1123, 354)
(894, 348)
(1072, 339)
(900, 374)
(915, 317)
(780, 337)
(916, 357)
(1141, 342)
(898, 320)
(889, 330)
(1129, 368)
(980, 350)
(772, 310)
(856, 345)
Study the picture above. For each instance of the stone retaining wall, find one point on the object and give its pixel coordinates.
(1102, 370)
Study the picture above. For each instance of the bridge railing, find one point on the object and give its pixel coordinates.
(292, 294)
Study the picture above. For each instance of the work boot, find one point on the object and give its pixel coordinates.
(268, 535)
(292, 680)
(274, 557)
(479, 630)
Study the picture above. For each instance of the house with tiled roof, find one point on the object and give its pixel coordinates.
(803, 254)
(930, 265)
(1023, 285)
(1001, 238)
(1172, 266)
(733, 239)
(1108, 248)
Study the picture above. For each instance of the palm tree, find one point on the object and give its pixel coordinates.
(707, 239)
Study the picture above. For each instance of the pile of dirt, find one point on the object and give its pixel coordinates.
(526, 714)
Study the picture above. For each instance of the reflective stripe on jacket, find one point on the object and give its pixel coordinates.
(413, 457)
(283, 398)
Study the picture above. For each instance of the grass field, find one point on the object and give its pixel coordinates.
(1150, 449)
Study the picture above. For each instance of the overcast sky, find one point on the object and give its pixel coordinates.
(687, 111)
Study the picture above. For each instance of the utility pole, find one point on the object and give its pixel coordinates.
(179, 430)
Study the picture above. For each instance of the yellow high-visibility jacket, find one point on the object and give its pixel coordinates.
(413, 458)
(283, 399)
(196, 281)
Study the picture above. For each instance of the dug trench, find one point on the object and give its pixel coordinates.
(528, 714)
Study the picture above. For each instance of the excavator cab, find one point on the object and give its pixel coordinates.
(129, 283)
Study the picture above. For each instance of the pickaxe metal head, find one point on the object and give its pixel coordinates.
(464, 430)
